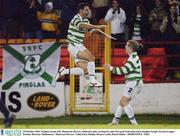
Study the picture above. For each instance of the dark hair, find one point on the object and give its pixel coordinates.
(81, 6)
(169, 14)
(111, 5)
(135, 45)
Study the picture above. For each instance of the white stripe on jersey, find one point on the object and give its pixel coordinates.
(75, 35)
(132, 69)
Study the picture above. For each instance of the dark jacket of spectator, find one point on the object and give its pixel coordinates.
(11, 15)
(130, 9)
(67, 13)
(29, 21)
(155, 18)
(139, 20)
(170, 26)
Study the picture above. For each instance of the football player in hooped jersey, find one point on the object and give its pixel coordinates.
(133, 84)
(84, 59)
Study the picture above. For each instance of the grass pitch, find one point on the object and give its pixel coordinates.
(98, 122)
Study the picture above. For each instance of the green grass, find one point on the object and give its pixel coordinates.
(98, 122)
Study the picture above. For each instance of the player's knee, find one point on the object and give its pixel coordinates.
(124, 102)
(92, 58)
(85, 71)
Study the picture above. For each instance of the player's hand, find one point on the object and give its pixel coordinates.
(165, 20)
(101, 27)
(154, 16)
(93, 31)
(108, 67)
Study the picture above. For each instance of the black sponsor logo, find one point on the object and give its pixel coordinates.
(43, 101)
(14, 99)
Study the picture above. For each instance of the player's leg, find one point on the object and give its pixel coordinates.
(80, 53)
(117, 115)
(71, 71)
(119, 111)
(89, 57)
(3, 109)
(130, 91)
(128, 109)
(9, 118)
(83, 65)
(73, 51)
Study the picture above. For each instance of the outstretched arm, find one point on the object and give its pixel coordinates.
(127, 68)
(90, 26)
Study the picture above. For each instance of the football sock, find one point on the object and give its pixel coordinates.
(118, 113)
(130, 113)
(91, 71)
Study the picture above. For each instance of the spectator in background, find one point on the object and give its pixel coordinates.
(100, 7)
(177, 5)
(148, 5)
(31, 25)
(138, 26)
(68, 10)
(11, 15)
(49, 20)
(117, 17)
(170, 26)
(130, 9)
(85, 1)
(155, 18)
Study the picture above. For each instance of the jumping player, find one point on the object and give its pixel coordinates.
(84, 59)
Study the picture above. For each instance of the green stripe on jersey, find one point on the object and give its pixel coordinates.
(75, 35)
(127, 69)
(132, 65)
(132, 69)
(134, 78)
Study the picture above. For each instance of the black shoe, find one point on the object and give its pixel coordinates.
(8, 121)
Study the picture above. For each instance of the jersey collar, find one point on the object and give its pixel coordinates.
(133, 53)
(80, 16)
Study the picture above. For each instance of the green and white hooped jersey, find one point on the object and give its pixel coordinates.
(132, 69)
(75, 35)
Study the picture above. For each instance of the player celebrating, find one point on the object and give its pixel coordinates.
(84, 59)
(9, 118)
(134, 83)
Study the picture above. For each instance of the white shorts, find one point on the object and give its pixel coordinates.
(132, 88)
(74, 50)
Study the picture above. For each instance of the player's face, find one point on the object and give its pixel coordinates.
(128, 49)
(85, 11)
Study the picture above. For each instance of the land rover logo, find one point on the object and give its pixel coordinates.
(43, 101)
